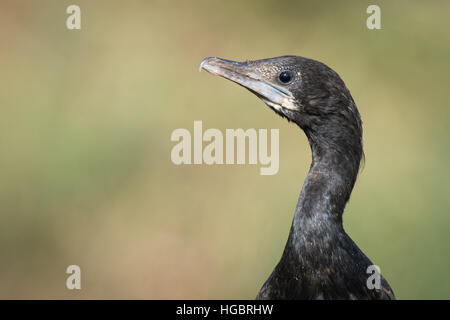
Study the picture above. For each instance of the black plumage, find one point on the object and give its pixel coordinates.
(320, 261)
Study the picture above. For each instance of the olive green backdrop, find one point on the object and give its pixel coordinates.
(85, 124)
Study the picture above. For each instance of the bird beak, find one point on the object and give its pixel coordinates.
(240, 72)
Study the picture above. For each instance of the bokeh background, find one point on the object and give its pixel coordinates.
(85, 124)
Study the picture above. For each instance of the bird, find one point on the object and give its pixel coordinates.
(320, 261)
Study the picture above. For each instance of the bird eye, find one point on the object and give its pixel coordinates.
(285, 77)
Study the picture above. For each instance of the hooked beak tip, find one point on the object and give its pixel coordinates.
(205, 62)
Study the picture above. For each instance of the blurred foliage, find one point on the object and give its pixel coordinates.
(86, 118)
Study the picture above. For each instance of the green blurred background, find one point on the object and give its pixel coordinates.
(85, 124)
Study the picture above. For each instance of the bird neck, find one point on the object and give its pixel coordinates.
(330, 180)
(327, 188)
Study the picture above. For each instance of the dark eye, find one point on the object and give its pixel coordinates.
(285, 77)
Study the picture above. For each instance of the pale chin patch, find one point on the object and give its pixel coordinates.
(277, 107)
(272, 105)
(286, 103)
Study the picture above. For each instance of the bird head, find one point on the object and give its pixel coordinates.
(301, 90)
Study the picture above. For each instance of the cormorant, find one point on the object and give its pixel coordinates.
(320, 261)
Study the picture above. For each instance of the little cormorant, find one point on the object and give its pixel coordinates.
(320, 261)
